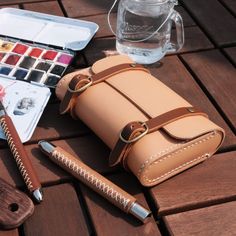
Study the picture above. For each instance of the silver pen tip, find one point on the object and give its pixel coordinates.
(46, 146)
(140, 212)
(38, 195)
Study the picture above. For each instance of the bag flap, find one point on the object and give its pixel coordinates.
(191, 127)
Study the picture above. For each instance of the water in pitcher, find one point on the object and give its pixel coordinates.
(137, 31)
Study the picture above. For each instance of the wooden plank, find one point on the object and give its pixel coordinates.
(52, 8)
(99, 49)
(217, 75)
(59, 214)
(187, 19)
(13, 6)
(222, 30)
(174, 74)
(214, 220)
(101, 20)
(231, 4)
(231, 52)
(53, 125)
(109, 220)
(206, 184)
(9, 2)
(13, 232)
(195, 40)
(79, 8)
(89, 148)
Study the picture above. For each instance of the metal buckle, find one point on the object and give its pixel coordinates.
(81, 89)
(138, 137)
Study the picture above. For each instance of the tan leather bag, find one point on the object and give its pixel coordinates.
(151, 130)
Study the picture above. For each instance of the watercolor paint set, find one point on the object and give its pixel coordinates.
(37, 47)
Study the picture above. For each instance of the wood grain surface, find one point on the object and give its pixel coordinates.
(231, 52)
(217, 75)
(214, 18)
(108, 218)
(59, 214)
(12, 232)
(52, 7)
(215, 220)
(206, 184)
(15, 206)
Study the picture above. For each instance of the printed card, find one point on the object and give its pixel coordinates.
(24, 103)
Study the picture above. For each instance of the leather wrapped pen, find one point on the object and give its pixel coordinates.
(20, 155)
(94, 180)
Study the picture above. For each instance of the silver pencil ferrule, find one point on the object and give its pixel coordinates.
(140, 212)
(46, 147)
(38, 195)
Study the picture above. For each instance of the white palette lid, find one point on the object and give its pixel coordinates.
(46, 29)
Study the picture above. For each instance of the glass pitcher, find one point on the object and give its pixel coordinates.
(144, 29)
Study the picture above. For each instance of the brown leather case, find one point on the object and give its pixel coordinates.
(183, 139)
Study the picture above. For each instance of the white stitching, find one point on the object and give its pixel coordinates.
(158, 154)
(16, 155)
(104, 187)
(177, 168)
(172, 154)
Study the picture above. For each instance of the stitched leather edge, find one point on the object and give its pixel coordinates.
(145, 164)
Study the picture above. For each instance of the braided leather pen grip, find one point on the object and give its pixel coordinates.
(97, 182)
(19, 153)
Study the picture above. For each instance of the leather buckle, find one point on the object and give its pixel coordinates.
(81, 89)
(135, 138)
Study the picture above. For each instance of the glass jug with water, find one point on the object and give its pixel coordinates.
(144, 29)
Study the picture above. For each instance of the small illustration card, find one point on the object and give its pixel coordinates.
(24, 103)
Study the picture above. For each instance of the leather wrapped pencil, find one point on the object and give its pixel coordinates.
(151, 130)
(94, 180)
(20, 156)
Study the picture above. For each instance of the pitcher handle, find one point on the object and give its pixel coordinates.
(174, 47)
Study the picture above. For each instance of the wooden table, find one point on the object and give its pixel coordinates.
(200, 201)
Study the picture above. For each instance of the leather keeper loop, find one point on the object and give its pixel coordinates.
(80, 83)
(133, 131)
(76, 86)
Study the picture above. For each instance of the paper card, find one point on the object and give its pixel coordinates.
(24, 103)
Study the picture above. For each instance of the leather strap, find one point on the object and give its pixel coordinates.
(80, 83)
(133, 131)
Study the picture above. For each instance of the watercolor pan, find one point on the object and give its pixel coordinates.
(27, 62)
(35, 76)
(4, 70)
(65, 59)
(20, 74)
(43, 65)
(12, 59)
(2, 54)
(52, 80)
(35, 52)
(39, 47)
(20, 48)
(57, 70)
(6, 46)
(49, 55)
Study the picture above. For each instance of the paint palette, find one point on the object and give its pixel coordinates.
(33, 63)
(38, 48)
